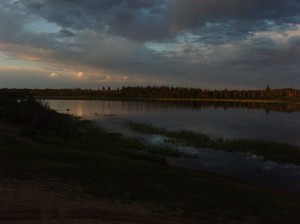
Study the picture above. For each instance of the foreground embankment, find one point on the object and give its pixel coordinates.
(57, 167)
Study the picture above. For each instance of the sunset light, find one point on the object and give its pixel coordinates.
(150, 111)
(210, 44)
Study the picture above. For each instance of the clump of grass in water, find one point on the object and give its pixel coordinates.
(162, 149)
(278, 152)
(168, 150)
(145, 128)
(176, 137)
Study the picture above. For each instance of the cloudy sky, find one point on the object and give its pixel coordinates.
(211, 44)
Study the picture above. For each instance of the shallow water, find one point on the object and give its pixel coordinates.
(229, 123)
(244, 166)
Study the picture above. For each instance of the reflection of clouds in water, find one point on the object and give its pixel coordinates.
(233, 123)
(79, 109)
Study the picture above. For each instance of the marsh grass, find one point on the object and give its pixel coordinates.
(168, 148)
(279, 152)
(169, 151)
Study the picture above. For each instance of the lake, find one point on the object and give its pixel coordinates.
(280, 124)
(239, 121)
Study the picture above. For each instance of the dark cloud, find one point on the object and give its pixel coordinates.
(219, 22)
(66, 33)
(136, 19)
(157, 20)
(194, 13)
(11, 24)
(161, 20)
(211, 42)
(295, 41)
(35, 6)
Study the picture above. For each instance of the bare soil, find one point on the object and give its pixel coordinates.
(24, 201)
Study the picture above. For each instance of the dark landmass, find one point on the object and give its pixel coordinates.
(58, 167)
(284, 100)
(163, 92)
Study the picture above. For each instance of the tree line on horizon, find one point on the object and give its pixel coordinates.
(160, 92)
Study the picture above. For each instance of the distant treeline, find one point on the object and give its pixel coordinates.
(152, 92)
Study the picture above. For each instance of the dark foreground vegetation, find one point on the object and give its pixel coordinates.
(279, 152)
(38, 144)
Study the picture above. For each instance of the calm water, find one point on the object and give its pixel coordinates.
(235, 122)
(219, 122)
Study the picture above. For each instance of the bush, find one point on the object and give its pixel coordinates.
(37, 115)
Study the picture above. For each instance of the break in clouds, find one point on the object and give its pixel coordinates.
(200, 43)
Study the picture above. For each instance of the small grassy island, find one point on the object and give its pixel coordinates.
(58, 167)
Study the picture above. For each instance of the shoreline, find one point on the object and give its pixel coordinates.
(45, 154)
(259, 101)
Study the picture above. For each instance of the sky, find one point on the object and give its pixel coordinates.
(211, 44)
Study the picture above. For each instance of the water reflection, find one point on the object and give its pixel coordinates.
(228, 120)
(211, 118)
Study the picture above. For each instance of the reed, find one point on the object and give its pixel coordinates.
(279, 152)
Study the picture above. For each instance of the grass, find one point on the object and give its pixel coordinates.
(167, 150)
(109, 166)
(279, 152)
